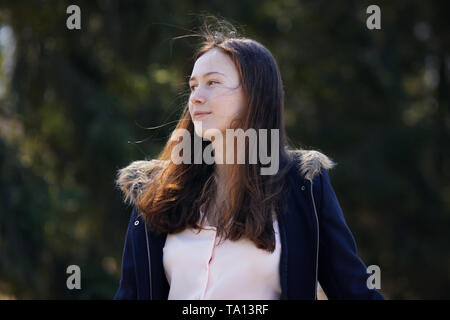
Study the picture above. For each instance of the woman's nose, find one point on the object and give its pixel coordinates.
(197, 98)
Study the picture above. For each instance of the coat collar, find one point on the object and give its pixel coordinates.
(133, 179)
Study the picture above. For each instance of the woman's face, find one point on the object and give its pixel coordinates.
(215, 91)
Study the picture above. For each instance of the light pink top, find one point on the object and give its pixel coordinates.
(198, 267)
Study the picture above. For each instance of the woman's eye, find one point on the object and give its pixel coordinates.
(210, 82)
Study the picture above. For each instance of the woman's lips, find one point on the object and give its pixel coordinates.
(199, 115)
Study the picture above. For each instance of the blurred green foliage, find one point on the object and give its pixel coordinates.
(76, 105)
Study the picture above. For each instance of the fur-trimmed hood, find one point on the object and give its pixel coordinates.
(132, 179)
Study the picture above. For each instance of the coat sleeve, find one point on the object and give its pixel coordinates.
(127, 286)
(341, 274)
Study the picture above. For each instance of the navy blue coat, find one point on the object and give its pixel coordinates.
(316, 243)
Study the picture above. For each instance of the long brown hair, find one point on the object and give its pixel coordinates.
(172, 202)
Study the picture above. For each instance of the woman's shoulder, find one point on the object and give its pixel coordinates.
(133, 178)
(310, 163)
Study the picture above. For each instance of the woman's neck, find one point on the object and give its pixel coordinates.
(221, 178)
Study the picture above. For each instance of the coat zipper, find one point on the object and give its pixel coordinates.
(149, 263)
(317, 249)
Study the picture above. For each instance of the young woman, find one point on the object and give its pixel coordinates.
(225, 230)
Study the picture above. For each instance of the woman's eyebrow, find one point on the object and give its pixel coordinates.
(207, 74)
